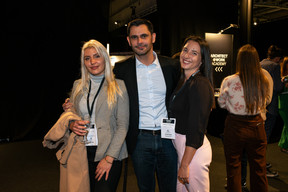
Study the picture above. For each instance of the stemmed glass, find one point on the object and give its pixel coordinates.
(86, 118)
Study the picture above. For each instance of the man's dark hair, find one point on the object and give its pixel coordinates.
(274, 51)
(137, 22)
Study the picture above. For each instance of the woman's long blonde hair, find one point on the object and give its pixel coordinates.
(255, 83)
(83, 86)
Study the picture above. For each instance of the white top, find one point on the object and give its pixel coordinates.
(231, 95)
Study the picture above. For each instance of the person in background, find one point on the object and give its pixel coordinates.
(245, 95)
(191, 104)
(272, 65)
(150, 80)
(283, 106)
(105, 100)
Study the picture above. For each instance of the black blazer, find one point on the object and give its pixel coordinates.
(126, 70)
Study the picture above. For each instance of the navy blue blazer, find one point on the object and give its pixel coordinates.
(126, 70)
(274, 71)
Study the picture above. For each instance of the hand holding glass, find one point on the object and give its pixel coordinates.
(86, 118)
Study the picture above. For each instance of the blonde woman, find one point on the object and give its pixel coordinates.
(245, 95)
(105, 100)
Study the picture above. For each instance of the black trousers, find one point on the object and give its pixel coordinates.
(114, 175)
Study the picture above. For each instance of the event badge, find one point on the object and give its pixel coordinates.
(92, 135)
(168, 128)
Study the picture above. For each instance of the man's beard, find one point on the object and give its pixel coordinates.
(140, 53)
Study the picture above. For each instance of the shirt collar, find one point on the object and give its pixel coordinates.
(155, 62)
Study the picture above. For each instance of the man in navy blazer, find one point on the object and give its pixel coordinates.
(272, 65)
(150, 80)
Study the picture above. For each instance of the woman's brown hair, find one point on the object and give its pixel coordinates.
(284, 67)
(255, 83)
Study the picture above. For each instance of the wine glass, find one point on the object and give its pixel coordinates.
(86, 118)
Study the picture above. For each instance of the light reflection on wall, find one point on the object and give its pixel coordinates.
(117, 58)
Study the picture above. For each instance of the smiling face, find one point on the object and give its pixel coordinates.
(190, 58)
(94, 62)
(141, 40)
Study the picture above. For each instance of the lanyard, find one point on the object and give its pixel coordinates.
(92, 106)
(194, 74)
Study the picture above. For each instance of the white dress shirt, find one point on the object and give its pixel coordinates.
(152, 93)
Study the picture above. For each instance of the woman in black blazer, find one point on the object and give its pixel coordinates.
(191, 104)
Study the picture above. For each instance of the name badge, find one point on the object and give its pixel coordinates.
(92, 135)
(168, 128)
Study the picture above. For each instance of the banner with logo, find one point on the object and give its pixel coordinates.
(221, 46)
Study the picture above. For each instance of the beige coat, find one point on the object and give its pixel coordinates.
(72, 155)
(112, 127)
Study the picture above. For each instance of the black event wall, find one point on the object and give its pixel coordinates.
(40, 49)
(178, 19)
(273, 33)
(41, 44)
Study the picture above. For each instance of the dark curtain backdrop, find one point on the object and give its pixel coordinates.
(267, 34)
(41, 44)
(41, 41)
(178, 19)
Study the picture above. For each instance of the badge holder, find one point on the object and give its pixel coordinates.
(168, 128)
(92, 135)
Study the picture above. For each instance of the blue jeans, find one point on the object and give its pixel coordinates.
(155, 155)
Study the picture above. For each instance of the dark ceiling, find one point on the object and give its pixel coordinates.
(270, 10)
(121, 11)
